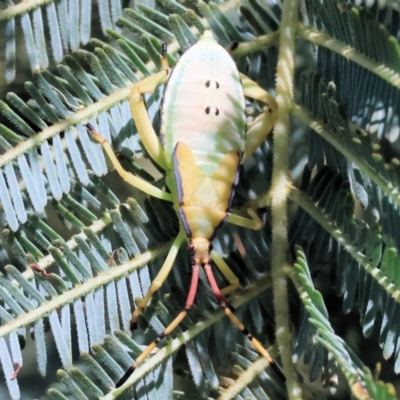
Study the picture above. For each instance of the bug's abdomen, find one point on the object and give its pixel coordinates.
(204, 105)
(203, 199)
(203, 134)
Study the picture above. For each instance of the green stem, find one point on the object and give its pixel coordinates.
(22, 8)
(344, 240)
(76, 119)
(279, 188)
(48, 261)
(256, 44)
(246, 378)
(81, 290)
(386, 186)
(350, 53)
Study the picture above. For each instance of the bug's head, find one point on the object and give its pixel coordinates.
(200, 250)
(207, 36)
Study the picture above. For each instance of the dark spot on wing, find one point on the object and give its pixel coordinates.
(208, 84)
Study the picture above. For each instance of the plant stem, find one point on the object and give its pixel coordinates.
(279, 188)
(350, 53)
(345, 241)
(385, 185)
(81, 290)
(247, 377)
(21, 8)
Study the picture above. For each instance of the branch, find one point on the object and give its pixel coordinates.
(22, 8)
(386, 186)
(81, 290)
(280, 180)
(350, 53)
(341, 237)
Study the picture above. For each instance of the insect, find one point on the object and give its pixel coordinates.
(202, 142)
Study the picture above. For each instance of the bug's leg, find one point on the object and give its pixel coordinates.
(125, 175)
(189, 302)
(141, 117)
(229, 311)
(145, 130)
(227, 272)
(254, 222)
(159, 279)
(264, 122)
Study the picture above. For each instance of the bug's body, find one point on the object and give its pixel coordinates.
(203, 139)
(203, 104)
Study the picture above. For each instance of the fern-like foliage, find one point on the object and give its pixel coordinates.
(68, 23)
(78, 248)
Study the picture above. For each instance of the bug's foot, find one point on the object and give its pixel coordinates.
(112, 257)
(127, 374)
(233, 46)
(278, 371)
(95, 135)
(136, 315)
(133, 326)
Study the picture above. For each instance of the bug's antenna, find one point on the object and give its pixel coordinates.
(189, 302)
(229, 311)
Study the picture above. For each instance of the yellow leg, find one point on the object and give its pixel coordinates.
(127, 176)
(142, 119)
(160, 278)
(264, 123)
(227, 272)
(254, 222)
(145, 130)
